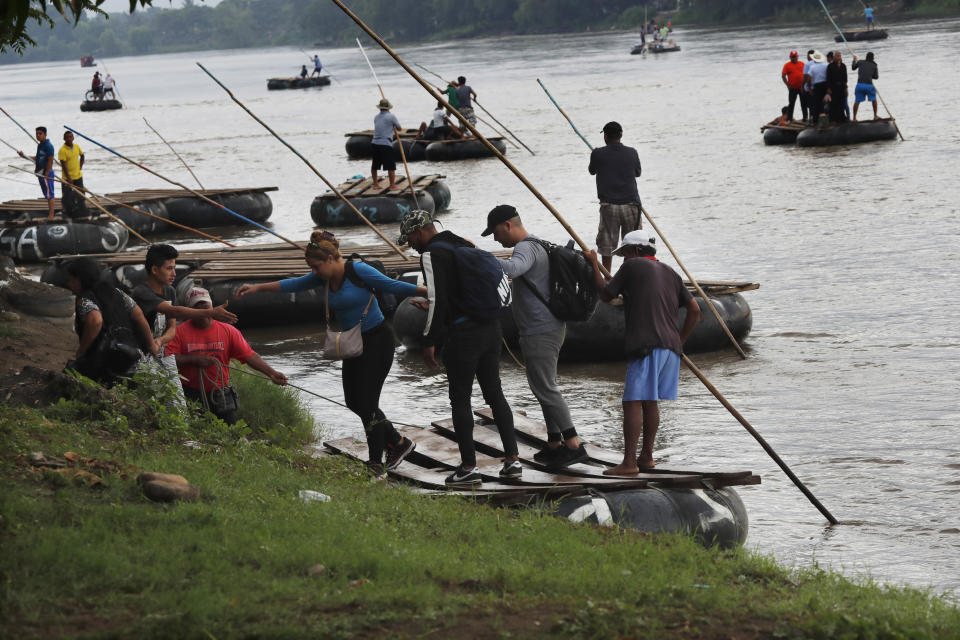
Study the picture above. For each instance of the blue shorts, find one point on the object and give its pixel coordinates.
(46, 185)
(653, 378)
(865, 92)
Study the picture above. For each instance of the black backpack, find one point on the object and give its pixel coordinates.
(573, 293)
(386, 300)
(117, 349)
(484, 290)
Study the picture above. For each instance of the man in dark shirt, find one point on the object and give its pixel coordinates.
(158, 299)
(653, 293)
(471, 345)
(43, 167)
(466, 95)
(837, 87)
(866, 73)
(617, 168)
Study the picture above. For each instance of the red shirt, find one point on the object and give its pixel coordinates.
(794, 71)
(221, 341)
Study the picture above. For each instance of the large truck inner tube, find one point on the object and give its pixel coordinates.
(297, 83)
(443, 151)
(600, 339)
(33, 298)
(194, 212)
(440, 192)
(867, 34)
(415, 150)
(328, 210)
(773, 136)
(663, 49)
(359, 145)
(100, 105)
(848, 133)
(712, 517)
(139, 222)
(263, 309)
(36, 243)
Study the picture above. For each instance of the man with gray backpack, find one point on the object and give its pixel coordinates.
(534, 275)
(467, 293)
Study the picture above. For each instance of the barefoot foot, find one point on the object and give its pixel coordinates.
(622, 470)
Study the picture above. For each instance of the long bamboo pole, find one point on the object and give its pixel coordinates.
(169, 146)
(308, 163)
(184, 187)
(693, 281)
(403, 154)
(492, 117)
(850, 51)
(29, 135)
(146, 213)
(90, 200)
(503, 159)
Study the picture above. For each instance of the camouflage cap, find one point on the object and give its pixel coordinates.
(411, 221)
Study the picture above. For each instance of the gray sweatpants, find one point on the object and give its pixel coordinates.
(540, 354)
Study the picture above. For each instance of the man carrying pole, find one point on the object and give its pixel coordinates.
(617, 168)
(385, 124)
(44, 167)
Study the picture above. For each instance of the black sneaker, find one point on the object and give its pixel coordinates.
(376, 470)
(464, 478)
(397, 452)
(545, 455)
(511, 469)
(567, 456)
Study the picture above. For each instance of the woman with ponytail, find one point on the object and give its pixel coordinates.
(364, 375)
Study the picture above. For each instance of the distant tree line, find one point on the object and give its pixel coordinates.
(259, 23)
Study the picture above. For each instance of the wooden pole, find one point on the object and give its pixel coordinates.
(184, 187)
(693, 281)
(312, 168)
(403, 155)
(760, 439)
(29, 135)
(145, 213)
(492, 117)
(850, 51)
(184, 162)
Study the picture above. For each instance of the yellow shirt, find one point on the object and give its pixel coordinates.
(71, 158)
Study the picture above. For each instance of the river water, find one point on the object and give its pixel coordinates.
(854, 358)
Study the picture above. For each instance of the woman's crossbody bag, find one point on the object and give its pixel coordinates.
(343, 345)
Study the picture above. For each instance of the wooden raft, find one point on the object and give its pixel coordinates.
(280, 260)
(406, 133)
(437, 455)
(363, 187)
(128, 197)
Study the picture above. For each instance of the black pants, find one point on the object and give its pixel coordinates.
(792, 100)
(838, 100)
(819, 91)
(805, 100)
(230, 417)
(472, 351)
(73, 204)
(363, 379)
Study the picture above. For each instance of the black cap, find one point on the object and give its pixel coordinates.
(613, 129)
(500, 213)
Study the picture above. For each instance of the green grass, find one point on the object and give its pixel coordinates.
(104, 562)
(7, 331)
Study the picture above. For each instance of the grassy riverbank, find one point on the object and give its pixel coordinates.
(91, 557)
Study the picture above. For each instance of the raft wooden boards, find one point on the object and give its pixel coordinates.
(525, 429)
(443, 451)
(406, 133)
(364, 186)
(793, 126)
(128, 197)
(465, 140)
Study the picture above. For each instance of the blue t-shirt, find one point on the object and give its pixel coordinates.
(383, 125)
(869, 12)
(44, 151)
(348, 302)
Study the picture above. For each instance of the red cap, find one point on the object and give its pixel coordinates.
(794, 53)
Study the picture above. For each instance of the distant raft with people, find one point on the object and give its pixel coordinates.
(380, 205)
(297, 83)
(462, 149)
(600, 338)
(775, 133)
(846, 133)
(39, 240)
(861, 35)
(660, 47)
(107, 104)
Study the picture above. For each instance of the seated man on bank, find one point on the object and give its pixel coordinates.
(440, 128)
(203, 348)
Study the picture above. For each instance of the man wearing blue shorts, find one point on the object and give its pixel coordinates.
(653, 293)
(868, 14)
(43, 162)
(866, 73)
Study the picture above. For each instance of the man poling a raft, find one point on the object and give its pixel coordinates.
(583, 246)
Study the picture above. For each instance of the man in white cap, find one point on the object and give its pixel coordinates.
(204, 348)
(653, 293)
(385, 124)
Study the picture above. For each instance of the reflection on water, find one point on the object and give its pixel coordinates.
(854, 359)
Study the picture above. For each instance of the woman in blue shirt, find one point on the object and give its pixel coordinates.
(363, 376)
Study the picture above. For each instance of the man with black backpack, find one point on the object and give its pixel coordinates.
(467, 293)
(541, 332)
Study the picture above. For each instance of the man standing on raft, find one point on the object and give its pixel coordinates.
(43, 167)
(617, 168)
(384, 126)
(652, 295)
